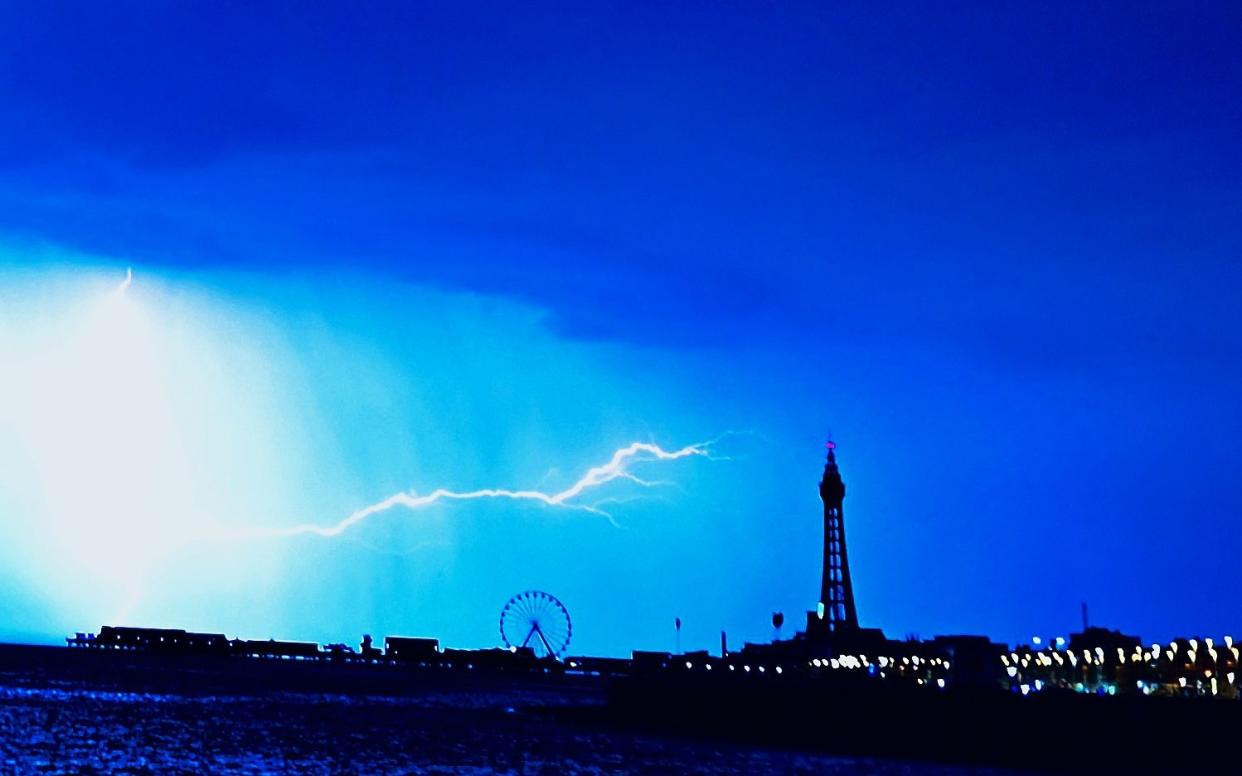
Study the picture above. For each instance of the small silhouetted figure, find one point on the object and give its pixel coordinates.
(778, 619)
(677, 625)
(369, 652)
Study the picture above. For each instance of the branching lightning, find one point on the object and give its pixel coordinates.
(615, 469)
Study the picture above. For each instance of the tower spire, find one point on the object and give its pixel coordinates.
(836, 596)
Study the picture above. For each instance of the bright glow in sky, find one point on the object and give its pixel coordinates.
(388, 248)
(106, 386)
(134, 410)
(93, 414)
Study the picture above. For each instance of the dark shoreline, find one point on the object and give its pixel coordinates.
(194, 675)
(794, 714)
(1052, 731)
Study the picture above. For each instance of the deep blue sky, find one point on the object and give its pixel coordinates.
(994, 247)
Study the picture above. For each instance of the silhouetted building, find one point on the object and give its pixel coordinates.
(513, 658)
(280, 650)
(367, 647)
(1109, 640)
(415, 650)
(973, 661)
(163, 640)
(599, 666)
(646, 661)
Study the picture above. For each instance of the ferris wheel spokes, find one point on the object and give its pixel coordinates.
(537, 621)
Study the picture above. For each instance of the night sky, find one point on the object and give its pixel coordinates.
(993, 249)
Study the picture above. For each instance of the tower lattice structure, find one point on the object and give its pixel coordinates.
(836, 594)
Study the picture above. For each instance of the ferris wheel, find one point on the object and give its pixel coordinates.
(537, 620)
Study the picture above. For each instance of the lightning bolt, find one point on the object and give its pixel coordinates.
(124, 285)
(615, 469)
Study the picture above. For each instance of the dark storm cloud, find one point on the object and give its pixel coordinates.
(995, 246)
(1041, 185)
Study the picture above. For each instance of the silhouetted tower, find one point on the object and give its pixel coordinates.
(836, 595)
